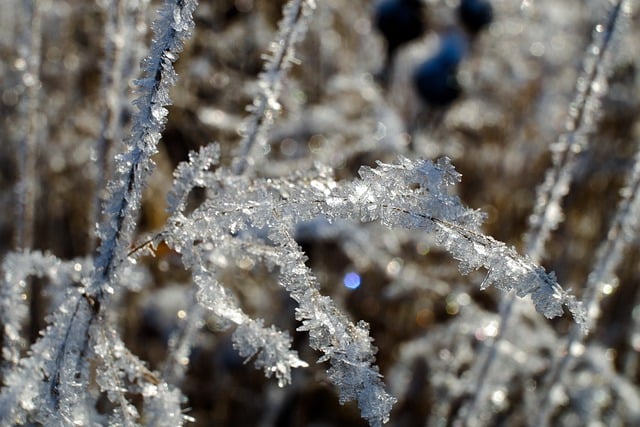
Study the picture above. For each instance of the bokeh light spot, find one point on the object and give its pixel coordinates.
(352, 280)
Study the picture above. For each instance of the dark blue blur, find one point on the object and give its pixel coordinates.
(399, 21)
(435, 79)
(475, 15)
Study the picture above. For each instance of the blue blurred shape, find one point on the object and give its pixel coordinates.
(352, 280)
(475, 15)
(435, 79)
(399, 21)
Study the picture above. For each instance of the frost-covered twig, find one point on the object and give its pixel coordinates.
(584, 112)
(16, 269)
(266, 106)
(270, 347)
(346, 346)
(120, 37)
(134, 167)
(407, 194)
(44, 386)
(622, 231)
(455, 228)
(264, 109)
(41, 388)
(122, 372)
(180, 343)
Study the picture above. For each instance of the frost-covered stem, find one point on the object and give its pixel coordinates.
(17, 268)
(135, 166)
(58, 379)
(186, 176)
(67, 335)
(583, 113)
(110, 372)
(265, 106)
(110, 87)
(119, 36)
(608, 256)
(271, 348)
(25, 189)
(488, 356)
(345, 345)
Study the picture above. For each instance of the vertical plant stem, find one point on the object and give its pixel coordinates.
(120, 38)
(609, 254)
(135, 166)
(583, 115)
(26, 190)
(292, 29)
(265, 106)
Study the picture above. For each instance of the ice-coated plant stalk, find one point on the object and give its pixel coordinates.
(17, 268)
(266, 106)
(263, 110)
(29, 47)
(407, 194)
(135, 166)
(584, 112)
(180, 343)
(120, 39)
(623, 229)
(44, 387)
(81, 360)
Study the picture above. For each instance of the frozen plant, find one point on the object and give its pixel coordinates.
(248, 214)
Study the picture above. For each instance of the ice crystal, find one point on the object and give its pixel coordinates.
(409, 194)
(240, 226)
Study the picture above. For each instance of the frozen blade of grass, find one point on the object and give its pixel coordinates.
(265, 106)
(584, 112)
(622, 230)
(133, 168)
(583, 115)
(51, 375)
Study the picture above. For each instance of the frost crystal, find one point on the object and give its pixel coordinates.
(239, 221)
(270, 347)
(48, 386)
(408, 194)
(265, 106)
(133, 168)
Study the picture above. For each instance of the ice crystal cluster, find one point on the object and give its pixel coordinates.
(296, 208)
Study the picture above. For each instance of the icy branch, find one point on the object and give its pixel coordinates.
(584, 112)
(16, 269)
(256, 217)
(134, 167)
(622, 231)
(265, 106)
(47, 386)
